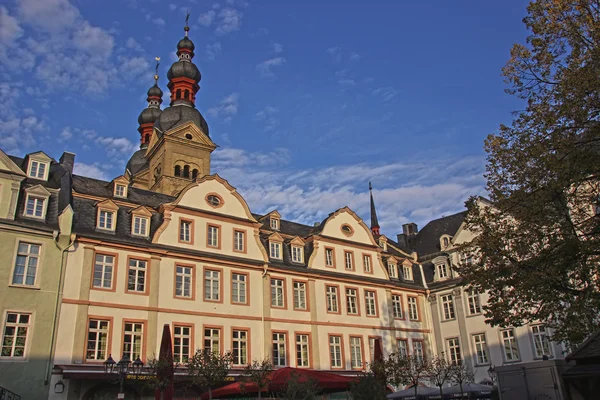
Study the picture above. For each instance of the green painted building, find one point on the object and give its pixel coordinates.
(35, 234)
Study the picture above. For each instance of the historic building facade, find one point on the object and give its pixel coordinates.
(94, 269)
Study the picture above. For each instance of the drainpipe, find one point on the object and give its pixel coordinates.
(262, 313)
(63, 261)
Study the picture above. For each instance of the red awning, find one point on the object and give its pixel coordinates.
(279, 378)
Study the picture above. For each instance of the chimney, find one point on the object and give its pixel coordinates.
(67, 160)
(410, 229)
(403, 240)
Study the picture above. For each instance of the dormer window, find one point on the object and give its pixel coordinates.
(120, 190)
(392, 270)
(38, 170)
(407, 272)
(36, 202)
(107, 215)
(297, 254)
(442, 271)
(445, 242)
(274, 223)
(275, 250)
(383, 244)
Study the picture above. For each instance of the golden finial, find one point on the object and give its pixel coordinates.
(187, 18)
(156, 69)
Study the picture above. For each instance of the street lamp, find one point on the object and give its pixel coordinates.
(492, 373)
(122, 369)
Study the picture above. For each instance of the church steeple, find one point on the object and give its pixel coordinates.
(374, 222)
(150, 114)
(184, 74)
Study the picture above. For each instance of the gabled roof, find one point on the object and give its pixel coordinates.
(427, 240)
(590, 348)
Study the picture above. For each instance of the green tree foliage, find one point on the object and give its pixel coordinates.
(461, 374)
(368, 387)
(208, 368)
(300, 388)
(440, 372)
(258, 373)
(538, 245)
(401, 370)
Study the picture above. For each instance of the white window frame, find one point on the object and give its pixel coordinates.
(105, 268)
(392, 270)
(441, 271)
(36, 175)
(239, 287)
(402, 346)
(332, 299)
(275, 250)
(140, 273)
(182, 339)
(413, 308)
(139, 225)
(211, 341)
(367, 263)
(212, 236)
(184, 277)
(397, 306)
(274, 223)
(277, 293)
(418, 350)
(28, 257)
(135, 345)
(239, 346)
(541, 340)
(238, 240)
(370, 303)
(351, 301)
(454, 352)
(185, 230)
(40, 204)
(474, 302)
(329, 257)
(481, 349)
(212, 285)
(335, 351)
(407, 272)
(106, 223)
(356, 359)
(15, 327)
(101, 333)
(279, 341)
(120, 190)
(300, 295)
(448, 310)
(509, 342)
(349, 260)
(297, 254)
(302, 350)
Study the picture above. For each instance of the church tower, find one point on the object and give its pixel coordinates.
(178, 146)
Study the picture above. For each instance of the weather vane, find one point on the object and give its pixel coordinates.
(156, 69)
(187, 18)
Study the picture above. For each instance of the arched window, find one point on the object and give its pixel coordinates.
(194, 173)
(177, 170)
(147, 138)
(178, 94)
(187, 94)
(186, 171)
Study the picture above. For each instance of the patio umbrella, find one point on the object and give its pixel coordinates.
(472, 390)
(280, 378)
(409, 394)
(165, 370)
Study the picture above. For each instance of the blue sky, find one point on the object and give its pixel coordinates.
(308, 100)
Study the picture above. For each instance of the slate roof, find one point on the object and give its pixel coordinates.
(427, 241)
(588, 350)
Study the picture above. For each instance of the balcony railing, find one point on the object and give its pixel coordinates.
(6, 394)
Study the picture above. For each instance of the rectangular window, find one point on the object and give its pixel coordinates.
(14, 337)
(349, 260)
(136, 276)
(351, 301)
(275, 248)
(372, 348)
(140, 225)
(35, 207)
(212, 340)
(397, 306)
(297, 254)
(407, 272)
(212, 236)
(37, 170)
(240, 347)
(132, 340)
(277, 293)
(302, 350)
(299, 295)
(183, 281)
(370, 303)
(480, 348)
(332, 299)
(442, 271)
(182, 343)
(413, 309)
(185, 231)
(238, 288)
(329, 258)
(212, 285)
(26, 264)
(239, 239)
(120, 190)
(335, 351)
(418, 352)
(97, 340)
(454, 351)
(103, 271)
(367, 263)
(106, 220)
(540, 341)
(509, 343)
(474, 303)
(402, 347)
(279, 349)
(392, 270)
(274, 222)
(447, 306)
(356, 359)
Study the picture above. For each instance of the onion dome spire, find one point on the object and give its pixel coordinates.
(150, 114)
(374, 222)
(184, 74)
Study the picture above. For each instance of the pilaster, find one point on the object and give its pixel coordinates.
(314, 329)
(152, 347)
(82, 310)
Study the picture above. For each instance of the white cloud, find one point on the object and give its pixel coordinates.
(10, 30)
(354, 56)
(91, 171)
(213, 50)
(277, 48)
(207, 18)
(335, 52)
(134, 66)
(66, 134)
(267, 118)
(116, 147)
(131, 43)
(227, 108)
(172, 7)
(230, 20)
(265, 67)
(48, 15)
(347, 82)
(386, 93)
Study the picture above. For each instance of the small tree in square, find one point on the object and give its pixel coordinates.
(300, 388)
(208, 368)
(406, 370)
(461, 374)
(440, 372)
(259, 373)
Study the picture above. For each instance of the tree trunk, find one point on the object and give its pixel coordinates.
(441, 393)
(209, 393)
(259, 394)
(462, 394)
